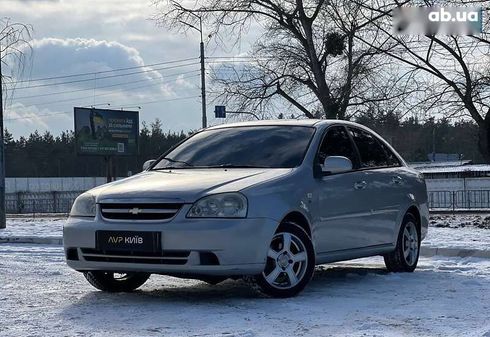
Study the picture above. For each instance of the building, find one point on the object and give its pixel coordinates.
(456, 185)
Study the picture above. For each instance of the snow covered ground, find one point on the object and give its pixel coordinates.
(52, 225)
(42, 226)
(463, 238)
(41, 296)
(464, 231)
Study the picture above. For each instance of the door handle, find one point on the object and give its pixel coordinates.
(397, 180)
(360, 185)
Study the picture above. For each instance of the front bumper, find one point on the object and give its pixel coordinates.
(240, 245)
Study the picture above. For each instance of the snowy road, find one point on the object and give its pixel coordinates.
(40, 296)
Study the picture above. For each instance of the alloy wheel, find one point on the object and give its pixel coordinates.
(410, 244)
(287, 261)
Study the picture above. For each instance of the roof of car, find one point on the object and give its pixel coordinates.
(290, 122)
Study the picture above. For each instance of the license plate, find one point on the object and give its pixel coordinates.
(128, 241)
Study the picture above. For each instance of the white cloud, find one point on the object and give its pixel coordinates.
(20, 116)
(181, 81)
(79, 55)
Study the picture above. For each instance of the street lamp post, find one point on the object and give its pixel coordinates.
(203, 70)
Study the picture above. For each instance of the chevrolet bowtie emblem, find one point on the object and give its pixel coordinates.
(134, 211)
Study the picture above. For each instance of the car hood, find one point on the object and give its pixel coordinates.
(184, 185)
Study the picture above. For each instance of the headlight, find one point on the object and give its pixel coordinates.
(225, 205)
(84, 206)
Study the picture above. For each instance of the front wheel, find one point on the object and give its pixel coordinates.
(406, 254)
(290, 262)
(115, 282)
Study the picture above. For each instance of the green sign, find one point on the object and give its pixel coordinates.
(106, 132)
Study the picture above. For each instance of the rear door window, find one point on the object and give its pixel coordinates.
(393, 160)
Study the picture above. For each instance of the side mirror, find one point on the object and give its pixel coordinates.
(336, 164)
(148, 163)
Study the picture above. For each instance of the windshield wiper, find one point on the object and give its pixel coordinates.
(170, 168)
(172, 161)
(231, 166)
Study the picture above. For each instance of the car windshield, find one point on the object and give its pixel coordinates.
(258, 146)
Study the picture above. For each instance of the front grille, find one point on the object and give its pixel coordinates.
(139, 211)
(164, 257)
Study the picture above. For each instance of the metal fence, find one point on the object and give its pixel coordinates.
(459, 200)
(39, 202)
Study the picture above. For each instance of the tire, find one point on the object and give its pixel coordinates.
(406, 254)
(288, 269)
(110, 282)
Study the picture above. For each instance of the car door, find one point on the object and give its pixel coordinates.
(340, 207)
(383, 186)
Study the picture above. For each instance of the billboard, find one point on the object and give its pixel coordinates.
(106, 132)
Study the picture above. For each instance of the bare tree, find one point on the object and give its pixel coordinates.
(455, 70)
(15, 50)
(308, 55)
(12, 44)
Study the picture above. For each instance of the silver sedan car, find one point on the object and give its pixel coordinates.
(265, 201)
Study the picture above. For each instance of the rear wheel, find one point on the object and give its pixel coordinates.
(116, 282)
(406, 254)
(290, 262)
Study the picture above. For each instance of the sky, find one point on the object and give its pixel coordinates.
(87, 36)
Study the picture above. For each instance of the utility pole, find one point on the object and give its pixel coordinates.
(2, 152)
(203, 70)
(203, 80)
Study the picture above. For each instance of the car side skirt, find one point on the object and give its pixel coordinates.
(350, 254)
